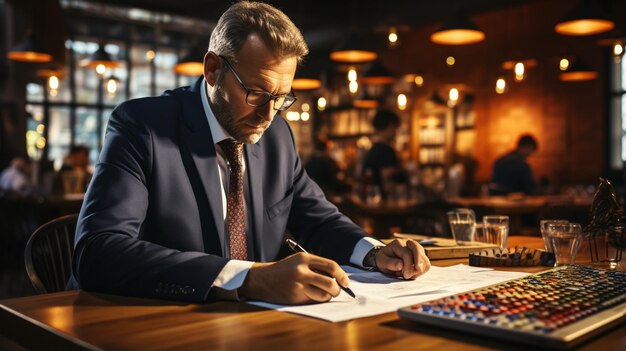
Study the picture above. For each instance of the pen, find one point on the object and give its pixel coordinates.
(297, 248)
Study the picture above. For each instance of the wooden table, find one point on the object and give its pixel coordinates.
(78, 320)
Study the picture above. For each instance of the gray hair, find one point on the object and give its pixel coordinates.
(247, 17)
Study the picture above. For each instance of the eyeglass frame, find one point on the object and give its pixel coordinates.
(270, 96)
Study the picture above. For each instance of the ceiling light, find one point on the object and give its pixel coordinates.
(459, 30)
(192, 63)
(29, 51)
(578, 71)
(586, 19)
(353, 49)
(377, 74)
(100, 58)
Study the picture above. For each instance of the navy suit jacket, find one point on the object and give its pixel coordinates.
(152, 225)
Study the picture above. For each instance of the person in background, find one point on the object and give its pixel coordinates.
(323, 169)
(381, 163)
(194, 190)
(16, 179)
(511, 172)
(75, 174)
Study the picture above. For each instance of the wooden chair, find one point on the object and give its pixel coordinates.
(48, 254)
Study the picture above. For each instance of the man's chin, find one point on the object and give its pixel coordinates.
(252, 138)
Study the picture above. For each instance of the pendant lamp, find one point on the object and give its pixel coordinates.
(578, 71)
(192, 63)
(459, 30)
(353, 49)
(586, 19)
(378, 75)
(100, 57)
(29, 51)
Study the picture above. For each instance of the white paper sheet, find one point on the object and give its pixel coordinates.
(377, 293)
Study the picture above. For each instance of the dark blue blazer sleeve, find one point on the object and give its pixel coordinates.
(110, 257)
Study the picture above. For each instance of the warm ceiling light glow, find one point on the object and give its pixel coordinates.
(584, 27)
(353, 56)
(419, 80)
(293, 116)
(150, 54)
(393, 36)
(29, 56)
(305, 107)
(353, 87)
(587, 18)
(454, 94)
(365, 103)
(40, 128)
(402, 101)
(41, 142)
(321, 103)
(500, 85)
(304, 116)
(618, 49)
(450, 61)
(306, 84)
(457, 37)
(578, 71)
(563, 64)
(100, 69)
(520, 72)
(53, 82)
(352, 74)
(111, 86)
(189, 68)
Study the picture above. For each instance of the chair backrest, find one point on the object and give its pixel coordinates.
(48, 255)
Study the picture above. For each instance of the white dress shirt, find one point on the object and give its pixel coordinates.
(231, 277)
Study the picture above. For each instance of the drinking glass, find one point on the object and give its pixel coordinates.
(565, 241)
(543, 227)
(496, 230)
(463, 225)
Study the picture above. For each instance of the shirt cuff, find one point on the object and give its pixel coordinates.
(230, 279)
(362, 248)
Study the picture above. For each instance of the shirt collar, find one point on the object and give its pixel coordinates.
(217, 131)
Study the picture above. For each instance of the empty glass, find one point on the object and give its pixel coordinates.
(565, 241)
(543, 227)
(463, 224)
(496, 230)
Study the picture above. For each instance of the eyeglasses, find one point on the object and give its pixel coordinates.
(258, 98)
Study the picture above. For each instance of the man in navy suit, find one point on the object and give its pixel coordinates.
(171, 213)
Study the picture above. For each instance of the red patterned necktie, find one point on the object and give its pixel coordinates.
(235, 214)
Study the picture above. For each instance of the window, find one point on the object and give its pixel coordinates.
(80, 117)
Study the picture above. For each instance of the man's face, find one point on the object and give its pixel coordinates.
(259, 69)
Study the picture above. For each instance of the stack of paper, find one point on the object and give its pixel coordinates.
(378, 293)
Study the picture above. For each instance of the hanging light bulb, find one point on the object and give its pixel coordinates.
(111, 86)
(618, 49)
(321, 103)
(563, 64)
(352, 74)
(402, 101)
(520, 72)
(100, 69)
(353, 87)
(304, 116)
(305, 107)
(450, 60)
(53, 82)
(150, 55)
(393, 36)
(500, 85)
(453, 97)
(419, 80)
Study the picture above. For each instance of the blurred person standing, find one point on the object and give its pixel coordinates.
(323, 169)
(381, 162)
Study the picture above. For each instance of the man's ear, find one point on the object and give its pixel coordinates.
(212, 67)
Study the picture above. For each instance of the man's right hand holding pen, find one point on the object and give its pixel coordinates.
(306, 278)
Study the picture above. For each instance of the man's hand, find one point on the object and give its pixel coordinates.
(404, 258)
(298, 279)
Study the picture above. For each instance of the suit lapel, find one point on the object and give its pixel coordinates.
(254, 156)
(197, 137)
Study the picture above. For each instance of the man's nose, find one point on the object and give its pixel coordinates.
(266, 112)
